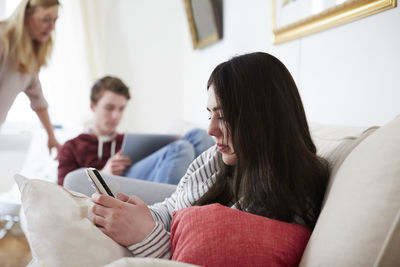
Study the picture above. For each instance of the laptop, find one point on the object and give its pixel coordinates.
(138, 146)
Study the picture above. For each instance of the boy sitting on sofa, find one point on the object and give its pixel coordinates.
(100, 147)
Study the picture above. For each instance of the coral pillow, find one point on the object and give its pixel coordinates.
(215, 235)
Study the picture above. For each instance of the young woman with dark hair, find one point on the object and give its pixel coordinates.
(260, 122)
(264, 162)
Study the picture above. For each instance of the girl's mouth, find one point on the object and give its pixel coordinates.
(222, 148)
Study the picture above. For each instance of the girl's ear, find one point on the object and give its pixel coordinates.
(92, 106)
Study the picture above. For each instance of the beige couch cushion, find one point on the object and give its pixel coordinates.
(57, 226)
(359, 222)
(58, 229)
(335, 143)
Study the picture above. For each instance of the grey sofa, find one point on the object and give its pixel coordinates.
(149, 192)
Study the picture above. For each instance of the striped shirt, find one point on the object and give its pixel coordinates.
(199, 177)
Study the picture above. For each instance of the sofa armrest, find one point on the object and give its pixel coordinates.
(149, 192)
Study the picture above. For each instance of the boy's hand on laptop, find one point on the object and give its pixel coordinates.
(117, 164)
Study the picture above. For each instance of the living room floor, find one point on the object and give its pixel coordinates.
(14, 248)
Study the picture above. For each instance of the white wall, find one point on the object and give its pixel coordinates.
(144, 48)
(346, 75)
(350, 74)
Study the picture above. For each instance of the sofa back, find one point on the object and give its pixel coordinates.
(359, 222)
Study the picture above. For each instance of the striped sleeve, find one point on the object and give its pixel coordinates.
(200, 176)
(155, 245)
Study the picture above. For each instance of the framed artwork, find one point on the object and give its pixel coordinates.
(297, 18)
(205, 21)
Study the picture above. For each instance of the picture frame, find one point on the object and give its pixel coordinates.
(205, 21)
(297, 18)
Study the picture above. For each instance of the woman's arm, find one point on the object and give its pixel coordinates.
(43, 115)
(127, 220)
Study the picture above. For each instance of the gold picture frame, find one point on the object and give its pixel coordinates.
(205, 21)
(334, 15)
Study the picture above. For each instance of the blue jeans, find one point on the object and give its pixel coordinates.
(169, 164)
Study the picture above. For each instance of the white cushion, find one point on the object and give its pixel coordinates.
(359, 222)
(332, 140)
(58, 229)
(334, 143)
(57, 226)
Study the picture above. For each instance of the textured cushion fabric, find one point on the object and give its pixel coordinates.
(335, 151)
(335, 142)
(359, 222)
(144, 262)
(58, 230)
(215, 235)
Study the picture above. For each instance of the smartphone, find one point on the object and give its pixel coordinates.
(98, 181)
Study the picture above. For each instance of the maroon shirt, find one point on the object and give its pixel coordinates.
(81, 152)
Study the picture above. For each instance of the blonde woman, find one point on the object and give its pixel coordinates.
(25, 45)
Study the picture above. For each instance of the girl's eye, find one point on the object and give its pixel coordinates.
(220, 117)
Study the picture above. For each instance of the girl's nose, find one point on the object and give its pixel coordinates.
(214, 128)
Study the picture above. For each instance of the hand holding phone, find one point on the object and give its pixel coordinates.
(98, 181)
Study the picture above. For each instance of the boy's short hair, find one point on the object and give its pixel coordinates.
(108, 83)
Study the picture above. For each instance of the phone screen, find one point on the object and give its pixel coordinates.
(98, 181)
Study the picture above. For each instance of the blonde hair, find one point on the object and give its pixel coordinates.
(28, 55)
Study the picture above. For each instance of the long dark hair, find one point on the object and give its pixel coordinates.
(278, 174)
